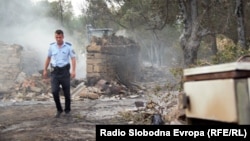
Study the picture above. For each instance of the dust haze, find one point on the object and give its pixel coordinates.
(23, 22)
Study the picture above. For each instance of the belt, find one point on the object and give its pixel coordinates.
(59, 68)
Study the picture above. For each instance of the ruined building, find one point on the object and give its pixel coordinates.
(113, 57)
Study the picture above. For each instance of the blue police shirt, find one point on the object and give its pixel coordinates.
(60, 56)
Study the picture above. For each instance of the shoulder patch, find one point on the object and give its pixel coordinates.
(52, 43)
(68, 43)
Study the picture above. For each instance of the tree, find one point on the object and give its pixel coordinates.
(61, 10)
(197, 19)
(192, 31)
(239, 12)
(98, 13)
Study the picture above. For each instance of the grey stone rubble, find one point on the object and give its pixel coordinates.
(27, 107)
(17, 87)
(35, 89)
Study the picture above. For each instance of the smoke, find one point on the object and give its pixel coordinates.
(24, 22)
(158, 48)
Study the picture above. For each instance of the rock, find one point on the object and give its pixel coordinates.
(102, 84)
(75, 82)
(21, 77)
(157, 120)
(176, 122)
(89, 95)
(35, 89)
(139, 104)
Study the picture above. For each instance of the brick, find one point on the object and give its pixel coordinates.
(94, 61)
(100, 56)
(90, 68)
(99, 68)
(91, 56)
(93, 75)
(94, 48)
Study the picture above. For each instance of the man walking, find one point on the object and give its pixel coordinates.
(59, 55)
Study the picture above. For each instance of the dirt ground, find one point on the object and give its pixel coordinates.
(36, 122)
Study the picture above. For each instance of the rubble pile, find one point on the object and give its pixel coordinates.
(29, 88)
(158, 98)
(35, 88)
(106, 41)
(164, 106)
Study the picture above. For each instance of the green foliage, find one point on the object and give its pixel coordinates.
(178, 74)
(157, 89)
(137, 118)
(230, 54)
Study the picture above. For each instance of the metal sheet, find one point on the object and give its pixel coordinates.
(212, 100)
(217, 68)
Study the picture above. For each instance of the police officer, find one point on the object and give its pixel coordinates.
(59, 55)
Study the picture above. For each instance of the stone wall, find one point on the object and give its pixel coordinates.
(10, 60)
(113, 58)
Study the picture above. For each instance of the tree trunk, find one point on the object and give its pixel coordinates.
(190, 38)
(240, 21)
(213, 44)
(212, 38)
(61, 11)
(190, 52)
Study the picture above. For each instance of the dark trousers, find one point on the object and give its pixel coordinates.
(61, 76)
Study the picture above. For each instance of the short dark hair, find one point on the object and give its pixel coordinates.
(59, 31)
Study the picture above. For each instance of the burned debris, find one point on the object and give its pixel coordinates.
(113, 71)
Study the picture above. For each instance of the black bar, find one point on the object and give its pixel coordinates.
(187, 132)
